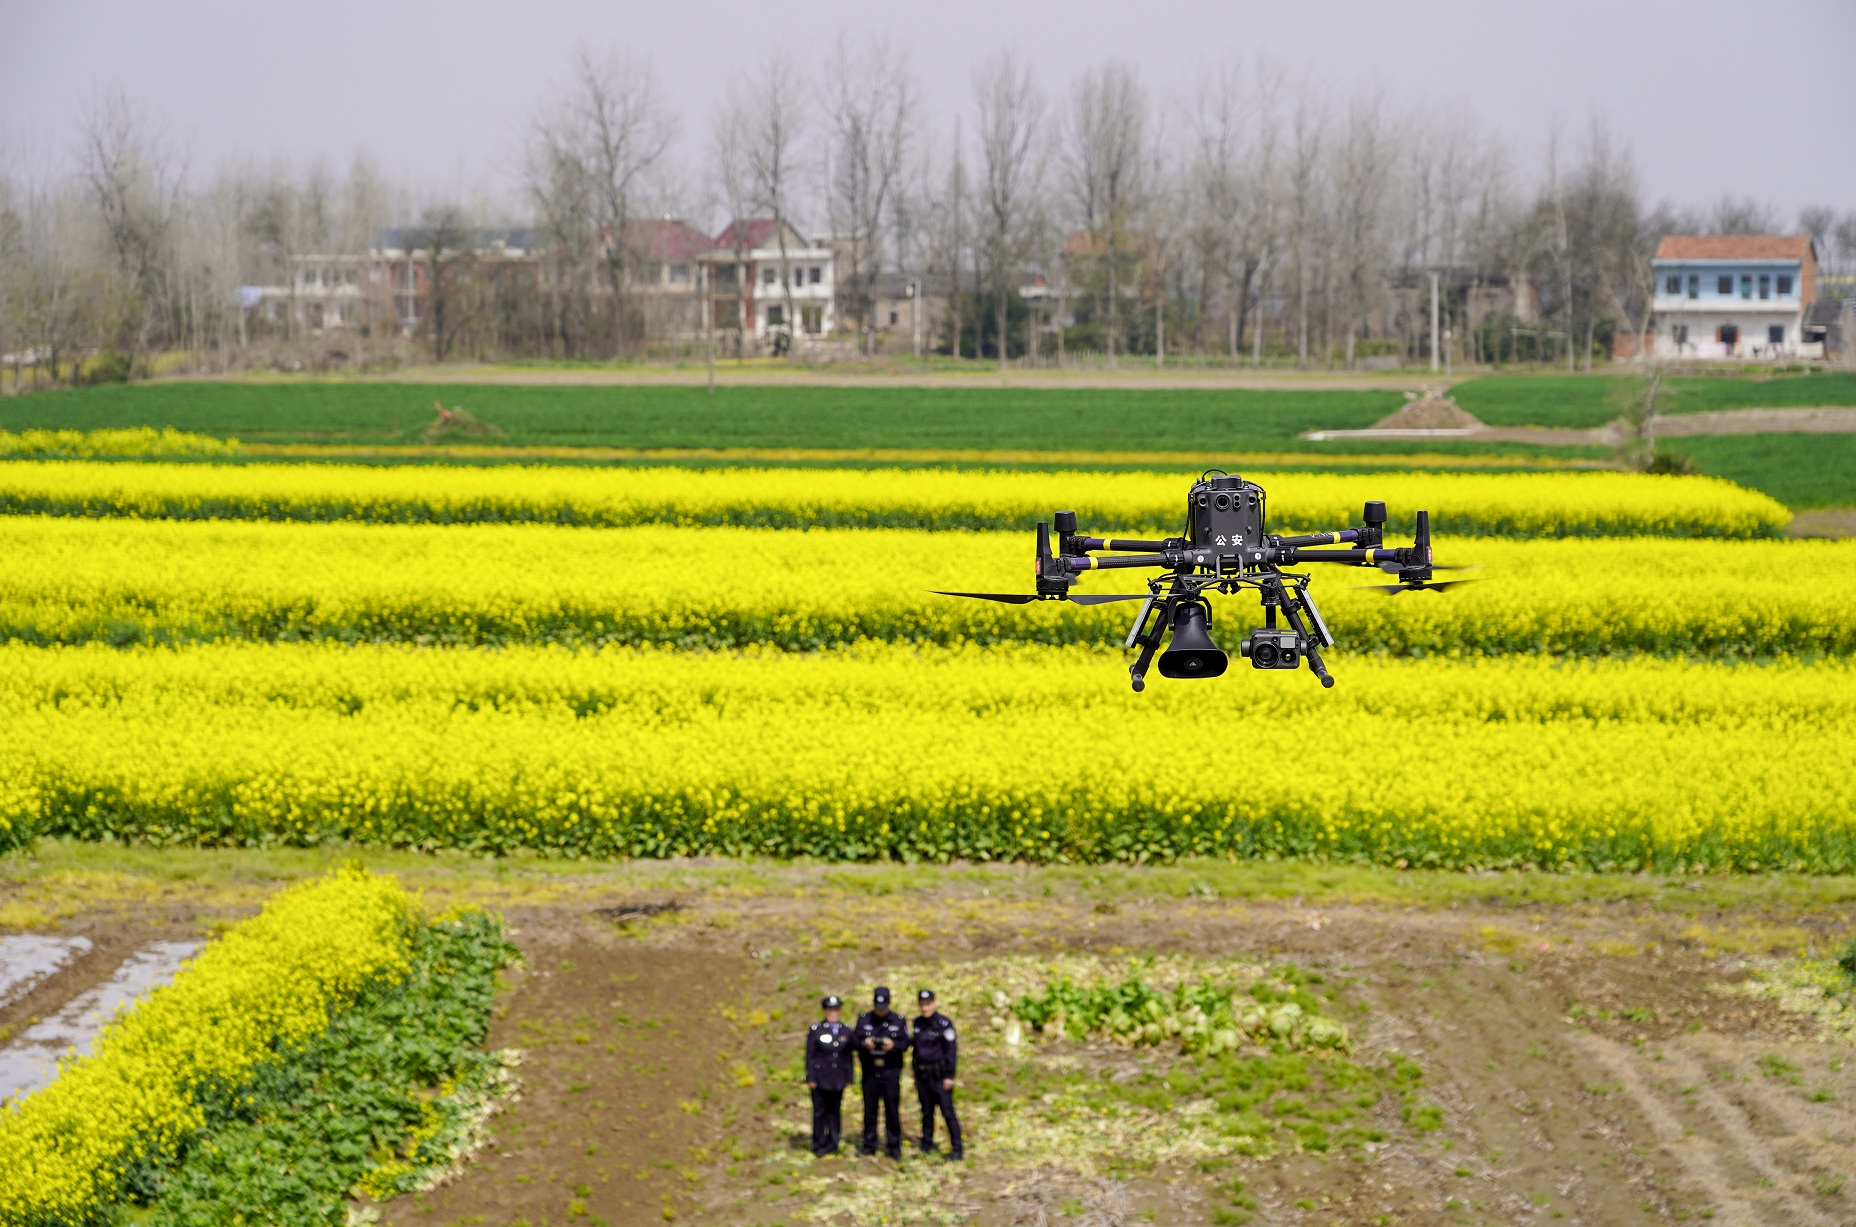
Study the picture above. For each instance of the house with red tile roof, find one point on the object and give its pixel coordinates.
(1734, 296)
(758, 272)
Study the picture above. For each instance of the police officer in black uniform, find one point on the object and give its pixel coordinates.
(934, 1073)
(828, 1072)
(881, 1037)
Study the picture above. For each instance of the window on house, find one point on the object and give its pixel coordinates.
(1679, 334)
(894, 318)
(769, 276)
(680, 274)
(1765, 285)
(817, 274)
(1672, 284)
(1694, 286)
(1776, 334)
(1746, 285)
(812, 319)
(1724, 285)
(776, 315)
(1785, 285)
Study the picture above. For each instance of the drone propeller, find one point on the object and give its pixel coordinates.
(1395, 589)
(1018, 598)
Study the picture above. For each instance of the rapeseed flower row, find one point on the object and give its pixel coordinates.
(267, 985)
(895, 751)
(119, 581)
(131, 441)
(1479, 504)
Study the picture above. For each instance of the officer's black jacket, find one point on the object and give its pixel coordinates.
(934, 1043)
(828, 1055)
(892, 1027)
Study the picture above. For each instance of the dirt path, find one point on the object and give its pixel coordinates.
(1815, 421)
(1833, 522)
(848, 376)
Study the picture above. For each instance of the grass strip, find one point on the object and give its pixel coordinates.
(384, 1101)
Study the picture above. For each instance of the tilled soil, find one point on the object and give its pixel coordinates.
(1587, 1064)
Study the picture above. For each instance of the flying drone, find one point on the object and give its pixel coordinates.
(1225, 550)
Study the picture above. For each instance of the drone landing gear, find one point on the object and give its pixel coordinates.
(1146, 635)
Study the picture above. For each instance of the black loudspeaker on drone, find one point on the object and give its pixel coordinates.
(1191, 653)
(1223, 551)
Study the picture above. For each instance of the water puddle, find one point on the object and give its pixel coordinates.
(28, 958)
(32, 1059)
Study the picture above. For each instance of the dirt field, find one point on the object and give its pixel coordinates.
(1592, 1054)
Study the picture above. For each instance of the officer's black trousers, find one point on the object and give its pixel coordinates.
(885, 1086)
(827, 1120)
(928, 1089)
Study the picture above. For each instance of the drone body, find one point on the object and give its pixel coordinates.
(1224, 551)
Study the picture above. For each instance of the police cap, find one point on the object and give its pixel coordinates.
(926, 994)
(830, 1003)
(882, 995)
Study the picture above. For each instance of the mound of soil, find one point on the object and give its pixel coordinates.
(1429, 412)
(455, 425)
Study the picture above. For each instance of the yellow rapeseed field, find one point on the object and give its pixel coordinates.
(74, 580)
(132, 441)
(899, 751)
(268, 983)
(1514, 504)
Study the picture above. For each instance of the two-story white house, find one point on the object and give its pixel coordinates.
(754, 275)
(1734, 296)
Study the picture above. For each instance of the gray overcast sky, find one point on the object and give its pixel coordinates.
(1714, 96)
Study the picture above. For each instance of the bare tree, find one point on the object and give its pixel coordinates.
(1364, 163)
(871, 96)
(1232, 185)
(1604, 232)
(443, 236)
(134, 184)
(558, 179)
(757, 138)
(1011, 114)
(1743, 215)
(1304, 205)
(600, 145)
(1105, 138)
(1843, 262)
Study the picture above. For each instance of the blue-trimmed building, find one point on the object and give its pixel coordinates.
(1734, 296)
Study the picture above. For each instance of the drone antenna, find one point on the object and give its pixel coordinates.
(1044, 555)
(1422, 537)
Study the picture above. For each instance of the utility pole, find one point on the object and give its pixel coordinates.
(915, 313)
(708, 323)
(1433, 321)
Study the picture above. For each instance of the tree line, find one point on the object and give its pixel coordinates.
(1243, 215)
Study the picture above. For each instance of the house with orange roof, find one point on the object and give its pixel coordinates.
(1734, 296)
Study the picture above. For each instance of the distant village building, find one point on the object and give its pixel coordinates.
(755, 271)
(1735, 296)
(663, 275)
(750, 278)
